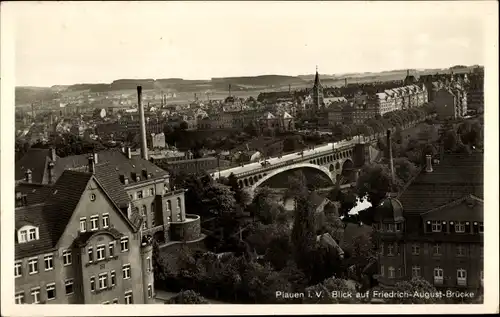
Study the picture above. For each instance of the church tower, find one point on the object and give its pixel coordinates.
(317, 94)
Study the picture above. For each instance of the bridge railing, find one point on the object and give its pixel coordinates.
(354, 140)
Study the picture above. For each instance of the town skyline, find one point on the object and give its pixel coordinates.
(165, 40)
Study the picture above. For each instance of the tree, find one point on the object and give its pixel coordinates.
(241, 196)
(187, 297)
(321, 293)
(304, 231)
(183, 126)
(450, 141)
(422, 292)
(292, 143)
(218, 199)
(265, 208)
(374, 182)
(251, 129)
(404, 169)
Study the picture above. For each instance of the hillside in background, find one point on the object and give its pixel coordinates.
(219, 86)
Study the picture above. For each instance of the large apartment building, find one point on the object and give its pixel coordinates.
(451, 103)
(74, 245)
(434, 228)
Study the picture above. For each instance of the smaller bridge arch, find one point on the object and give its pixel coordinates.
(277, 171)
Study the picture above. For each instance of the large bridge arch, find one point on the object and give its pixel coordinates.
(277, 171)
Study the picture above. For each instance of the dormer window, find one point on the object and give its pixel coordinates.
(436, 226)
(27, 234)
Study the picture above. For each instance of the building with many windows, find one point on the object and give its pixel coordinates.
(74, 245)
(434, 228)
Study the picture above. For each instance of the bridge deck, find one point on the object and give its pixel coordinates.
(288, 158)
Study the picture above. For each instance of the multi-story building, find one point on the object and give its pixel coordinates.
(450, 103)
(434, 228)
(74, 245)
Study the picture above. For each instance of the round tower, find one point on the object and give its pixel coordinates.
(147, 270)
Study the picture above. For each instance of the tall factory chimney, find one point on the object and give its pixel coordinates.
(33, 112)
(144, 145)
(229, 90)
(345, 82)
(391, 162)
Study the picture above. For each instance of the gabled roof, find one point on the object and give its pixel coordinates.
(115, 158)
(35, 193)
(456, 176)
(36, 160)
(467, 208)
(286, 115)
(268, 116)
(53, 217)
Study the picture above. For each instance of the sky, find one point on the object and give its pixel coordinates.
(98, 42)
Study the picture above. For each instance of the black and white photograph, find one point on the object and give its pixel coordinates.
(237, 153)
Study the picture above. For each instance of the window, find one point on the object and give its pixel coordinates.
(33, 265)
(148, 261)
(415, 249)
(150, 291)
(32, 234)
(481, 227)
(143, 210)
(101, 252)
(83, 224)
(105, 221)
(115, 301)
(382, 270)
(128, 298)
(460, 227)
(131, 197)
(398, 227)
(20, 298)
(18, 269)
(23, 236)
(126, 271)
(390, 227)
(151, 191)
(139, 194)
(35, 294)
(461, 277)
(144, 224)
(390, 249)
(169, 210)
(124, 244)
(113, 278)
(392, 272)
(49, 262)
(415, 271)
(69, 286)
(94, 222)
(152, 219)
(91, 254)
(436, 226)
(436, 249)
(103, 281)
(111, 249)
(460, 250)
(67, 257)
(92, 197)
(92, 283)
(438, 273)
(51, 291)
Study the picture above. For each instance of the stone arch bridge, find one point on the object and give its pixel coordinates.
(338, 162)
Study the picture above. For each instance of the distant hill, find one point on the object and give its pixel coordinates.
(217, 85)
(264, 80)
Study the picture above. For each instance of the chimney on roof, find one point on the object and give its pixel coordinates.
(428, 164)
(53, 155)
(91, 164)
(144, 146)
(145, 174)
(129, 152)
(391, 162)
(51, 173)
(95, 158)
(28, 176)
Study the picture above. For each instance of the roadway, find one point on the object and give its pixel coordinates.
(285, 158)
